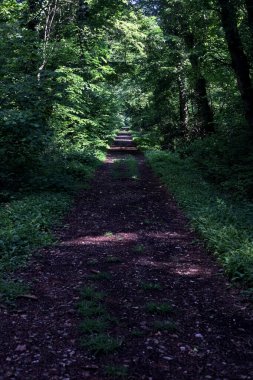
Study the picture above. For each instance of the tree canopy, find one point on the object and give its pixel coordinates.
(72, 72)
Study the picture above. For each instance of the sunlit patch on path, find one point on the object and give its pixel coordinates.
(98, 240)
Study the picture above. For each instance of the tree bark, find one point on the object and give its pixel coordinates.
(204, 111)
(240, 62)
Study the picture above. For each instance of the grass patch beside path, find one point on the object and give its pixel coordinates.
(25, 226)
(226, 225)
(126, 168)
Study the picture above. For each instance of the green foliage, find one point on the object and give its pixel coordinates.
(101, 276)
(159, 308)
(113, 260)
(116, 372)
(126, 168)
(148, 139)
(139, 248)
(10, 290)
(90, 293)
(225, 224)
(25, 225)
(132, 167)
(188, 53)
(101, 344)
(95, 323)
(151, 286)
(90, 309)
(59, 109)
(227, 162)
(167, 325)
(91, 326)
(108, 234)
(67, 172)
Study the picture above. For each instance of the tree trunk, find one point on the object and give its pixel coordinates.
(239, 59)
(33, 21)
(183, 105)
(204, 110)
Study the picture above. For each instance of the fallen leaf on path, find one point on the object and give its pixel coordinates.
(95, 271)
(28, 296)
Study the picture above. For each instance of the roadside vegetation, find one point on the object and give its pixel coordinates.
(225, 223)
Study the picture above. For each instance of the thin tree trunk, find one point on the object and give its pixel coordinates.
(183, 105)
(82, 14)
(51, 13)
(33, 21)
(239, 59)
(204, 110)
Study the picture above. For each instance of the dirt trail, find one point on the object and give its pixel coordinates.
(137, 221)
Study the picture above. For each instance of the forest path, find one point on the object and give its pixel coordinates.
(175, 315)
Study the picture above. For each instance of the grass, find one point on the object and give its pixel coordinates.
(132, 167)
(224, 223)
(90, 309)
(113, 260)
(11, 290)
(89, 326)
(25, 226)
(90, 293)
(150, 286)
(168, 325)
(95, 323)
(116, 372)
(248, 294)
(139, 248)
(100, 344)
(126, 168)
(101, 276)
(159, 308)
(108, 234)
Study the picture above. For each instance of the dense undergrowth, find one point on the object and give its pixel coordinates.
(225, 223)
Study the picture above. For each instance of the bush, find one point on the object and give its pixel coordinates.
(228, 162)
(67, 172)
